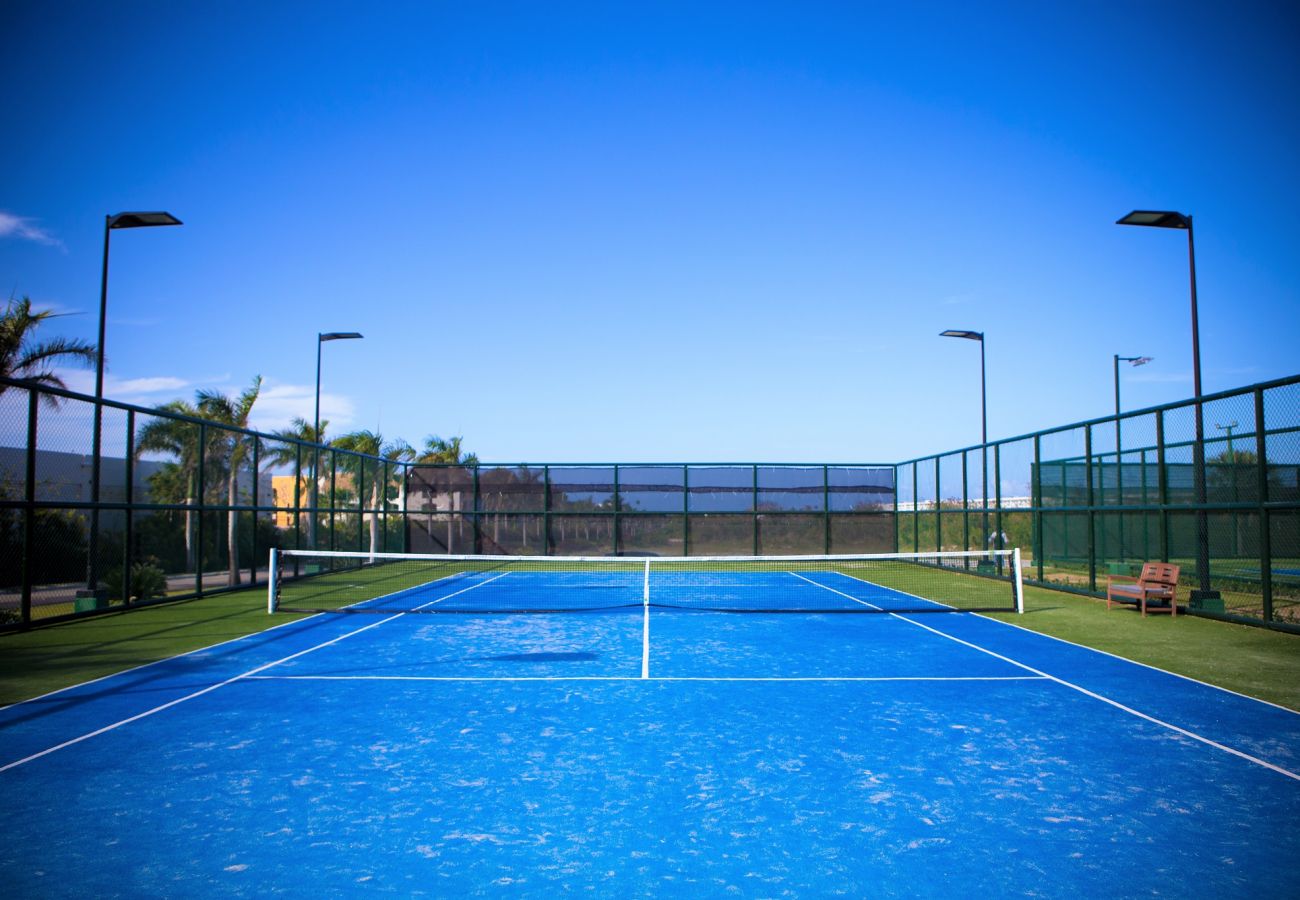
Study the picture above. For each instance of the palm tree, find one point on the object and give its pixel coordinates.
(21, 358)
(178, 482)
(286, 454)
(400, 452)
(438, 451)
(372, 444)
(219, 408)
(446, 452)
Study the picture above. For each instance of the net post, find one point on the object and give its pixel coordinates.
(1019, 580)
(272, 580)
(645, 594)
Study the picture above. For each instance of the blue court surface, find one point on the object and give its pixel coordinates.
(649, 752)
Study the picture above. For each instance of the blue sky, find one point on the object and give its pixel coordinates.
(660, 232)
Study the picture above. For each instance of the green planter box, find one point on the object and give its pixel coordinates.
(87, 601)
(1205, 604)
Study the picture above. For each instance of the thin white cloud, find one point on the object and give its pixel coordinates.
(145, 391)
(154, 385)
(279, 404)
(25, 229)
(1160, 377)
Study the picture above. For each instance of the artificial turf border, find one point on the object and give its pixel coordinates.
(1253, 661)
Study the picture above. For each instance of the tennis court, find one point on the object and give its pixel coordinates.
(635, 738)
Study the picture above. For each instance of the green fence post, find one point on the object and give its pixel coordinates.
(297, 502)
(938, 519)
(916, 510)
(894, 480)
(1265, 526)
(965, 505)
(128, 530)
(1036, 490)
(334, 499)
(998, 543)
(686, 510)
(546, 511)
(1092, 509)
(257, 509)
(478, 520)
(200, 493)
(1119, 485)
(1146, 513)
(406, 508)
(29, 511)
(1162, 485)
(826, 508)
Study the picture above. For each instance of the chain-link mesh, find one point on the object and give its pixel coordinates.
(1094, 501)
(185, 507)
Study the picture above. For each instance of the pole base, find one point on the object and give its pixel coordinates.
(87, 600)
(1206, 601)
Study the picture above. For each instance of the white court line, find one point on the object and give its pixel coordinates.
(197, 650)
(792, 678)
(1082, 690)
(1217, 687)
(833, 591)
(212, 687)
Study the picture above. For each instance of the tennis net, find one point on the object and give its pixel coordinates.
(359, 582)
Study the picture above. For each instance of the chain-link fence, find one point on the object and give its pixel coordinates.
(181, 507)
(661, 510)
(177, 507)
(1097, 499)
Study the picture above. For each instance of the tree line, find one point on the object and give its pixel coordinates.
(225, 451)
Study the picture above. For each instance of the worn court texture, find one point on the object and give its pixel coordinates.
(650, 752)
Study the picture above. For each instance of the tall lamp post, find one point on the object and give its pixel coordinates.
(1169, 219)
(984, 424)
(321, 338)
(111, 224)
(1119, 442)
(1134, 361)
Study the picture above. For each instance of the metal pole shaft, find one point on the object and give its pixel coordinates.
(1119, 463)
(96, 438)
(1117, 388)
(1198, 456)
(315, 456)
(984, 444)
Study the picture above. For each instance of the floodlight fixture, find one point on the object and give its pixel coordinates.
(984, 419)
(112, 222)
(1170, 219)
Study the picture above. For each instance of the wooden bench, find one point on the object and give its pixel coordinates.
(1158, 581)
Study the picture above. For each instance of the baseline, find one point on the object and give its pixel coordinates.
(212, 687)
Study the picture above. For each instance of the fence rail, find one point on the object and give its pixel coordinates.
(1113, 492)
(189, 507)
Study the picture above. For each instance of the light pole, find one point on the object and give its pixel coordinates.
(111, 223)
(984, 425)
(1135, 361)
(1119, 443)
(1169, 219)
(321, 338)
(1232, 457)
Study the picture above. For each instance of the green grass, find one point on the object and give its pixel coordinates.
(47, 658)
(1253, 661)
